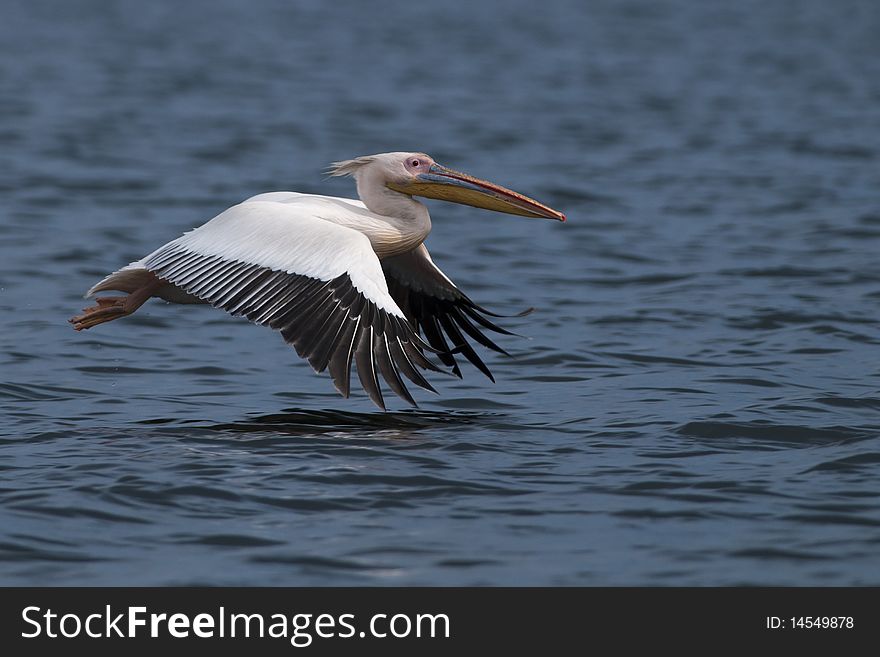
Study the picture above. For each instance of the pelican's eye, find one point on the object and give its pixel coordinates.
(415, 163)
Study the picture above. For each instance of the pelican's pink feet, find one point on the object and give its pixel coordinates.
(108, 309)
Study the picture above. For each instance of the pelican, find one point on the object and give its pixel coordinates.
(342, 280)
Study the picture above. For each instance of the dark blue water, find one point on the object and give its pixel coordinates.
(697, 400)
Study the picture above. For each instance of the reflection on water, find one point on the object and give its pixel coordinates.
(694, 401)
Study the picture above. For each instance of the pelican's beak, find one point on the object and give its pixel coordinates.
(448, 185)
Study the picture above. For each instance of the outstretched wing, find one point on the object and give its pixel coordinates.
(436, 307)
(318, 283)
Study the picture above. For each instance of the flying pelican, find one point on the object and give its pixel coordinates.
(341, 279)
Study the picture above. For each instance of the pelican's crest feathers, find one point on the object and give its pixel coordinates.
(349, 167)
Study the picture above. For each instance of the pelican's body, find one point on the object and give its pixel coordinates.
(342, 280)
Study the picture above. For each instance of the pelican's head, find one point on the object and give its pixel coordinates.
(417, 174)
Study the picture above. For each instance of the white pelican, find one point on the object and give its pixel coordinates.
(340, 279)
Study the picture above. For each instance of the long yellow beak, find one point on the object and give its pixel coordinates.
(448, 185)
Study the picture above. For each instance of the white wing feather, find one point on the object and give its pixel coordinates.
(292, 237)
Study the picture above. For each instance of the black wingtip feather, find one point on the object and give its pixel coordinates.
(386, 367)
(340, 361)
(366, 366)
(473, 314)
(474, 332)
(475, 306)
(405, 365)
(467, 351)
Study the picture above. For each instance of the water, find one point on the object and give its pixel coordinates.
(696, 400)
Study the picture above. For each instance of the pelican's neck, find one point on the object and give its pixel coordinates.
(403, 223)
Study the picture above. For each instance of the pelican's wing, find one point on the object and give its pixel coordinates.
(434, 305)
(318, 283)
